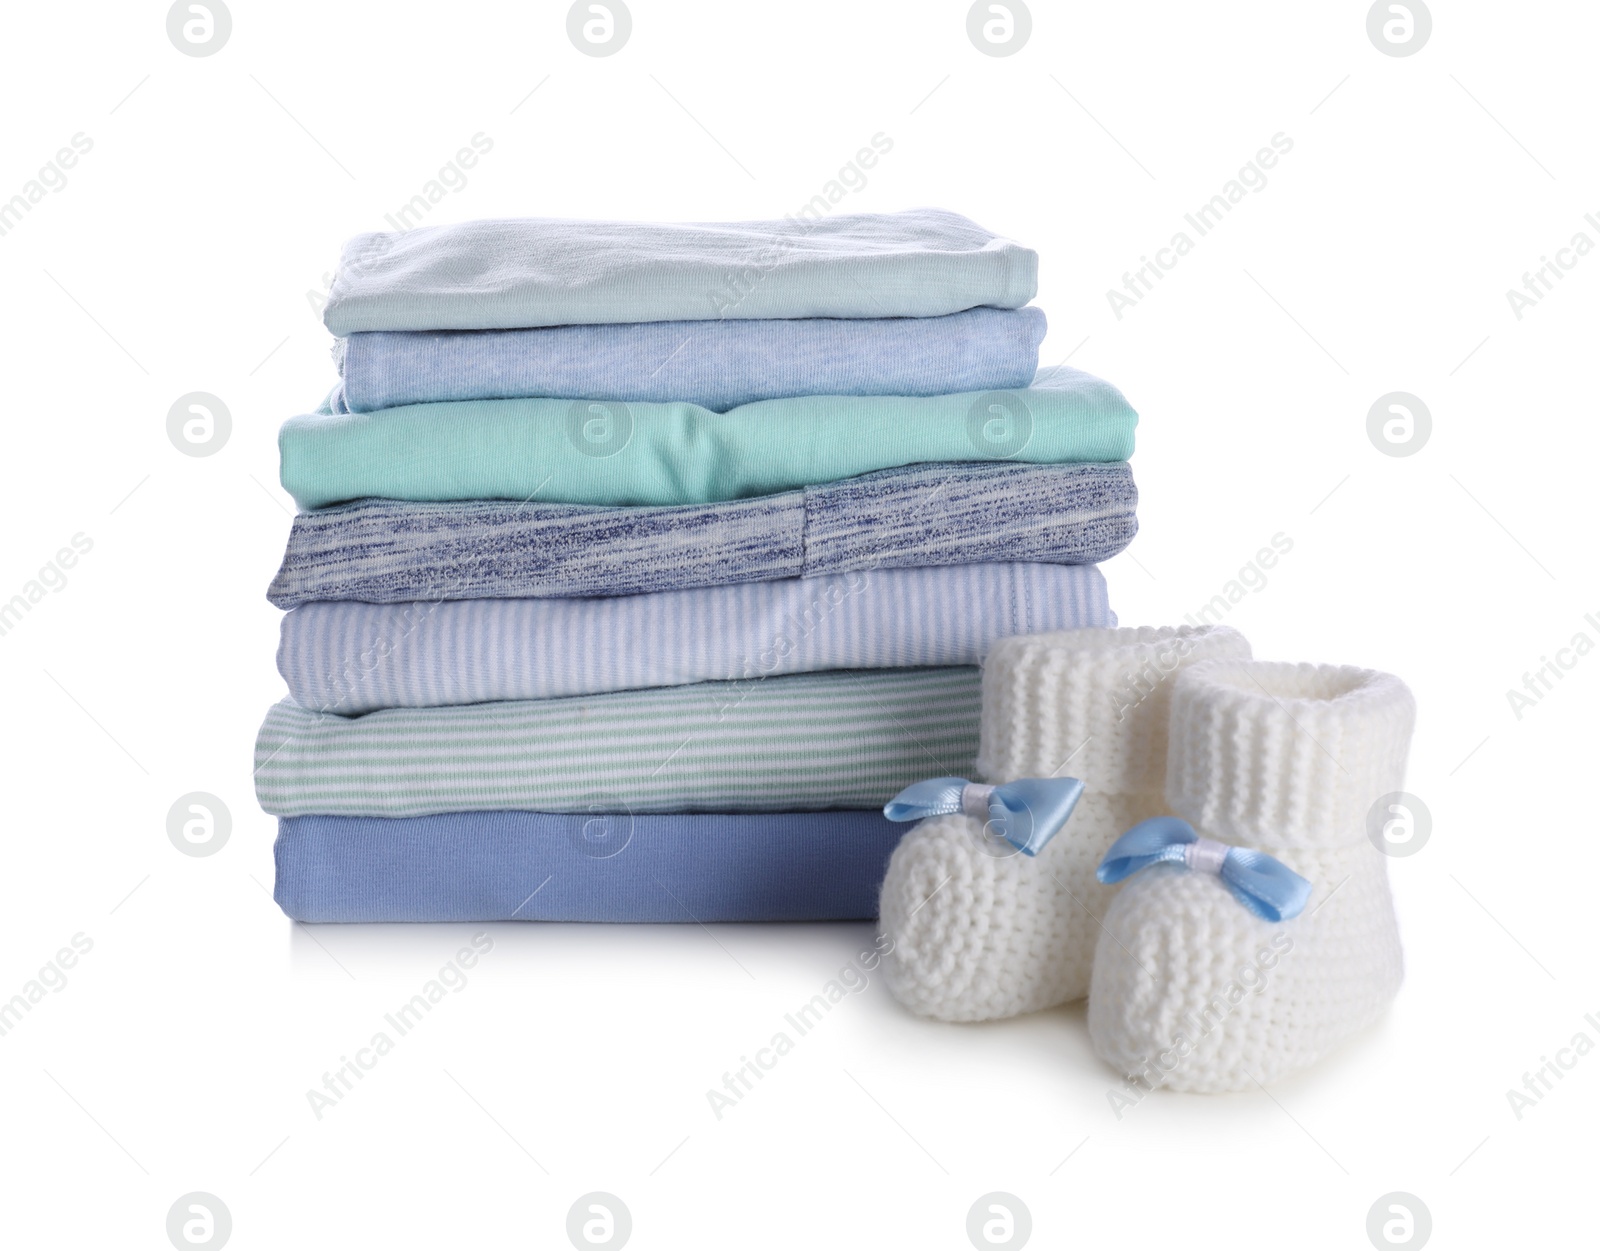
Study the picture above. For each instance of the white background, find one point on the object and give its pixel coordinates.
(179, 257)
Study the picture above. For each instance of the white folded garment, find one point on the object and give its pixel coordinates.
(502, 275)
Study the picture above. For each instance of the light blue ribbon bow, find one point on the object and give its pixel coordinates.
(1026, 813)
(1268, 887)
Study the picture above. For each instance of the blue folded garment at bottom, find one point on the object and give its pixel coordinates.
(533, 866)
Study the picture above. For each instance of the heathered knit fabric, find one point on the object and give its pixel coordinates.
(929, 515)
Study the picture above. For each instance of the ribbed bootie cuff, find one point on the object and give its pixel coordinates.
(1090, 704)
(1281, 755)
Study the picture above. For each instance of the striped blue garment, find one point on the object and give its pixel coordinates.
(386, 552)
(352, 658)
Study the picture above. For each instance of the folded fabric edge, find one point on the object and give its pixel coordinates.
(612, 868)
(963, 264)
(280, 592)
(403, 366)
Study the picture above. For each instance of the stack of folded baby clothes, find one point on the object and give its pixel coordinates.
(638, 566)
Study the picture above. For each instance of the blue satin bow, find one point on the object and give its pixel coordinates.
(1026, 813)
(1268, 887)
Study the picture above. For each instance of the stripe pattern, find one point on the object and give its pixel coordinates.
(385, 552)
(352, 658)
(791, 744)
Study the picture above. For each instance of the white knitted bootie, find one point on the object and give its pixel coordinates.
(1193, 991)
(979, 931)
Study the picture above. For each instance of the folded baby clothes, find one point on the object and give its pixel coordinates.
(640, 565)
(530, 866)
(351, 658)
(591, 452)
(716, 364)
(499, 275)
(830, 740)
(926, 515)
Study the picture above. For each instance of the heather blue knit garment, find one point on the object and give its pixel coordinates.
(385, 552)
(529, 866)
(716, 364)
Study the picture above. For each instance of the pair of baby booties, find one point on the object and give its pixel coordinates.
(1188, 989)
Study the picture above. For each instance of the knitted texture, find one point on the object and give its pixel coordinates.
(383, 552)
(981, 932)
(1090, 704)
(1191, 990)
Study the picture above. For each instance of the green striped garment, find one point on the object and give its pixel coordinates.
(789, 744)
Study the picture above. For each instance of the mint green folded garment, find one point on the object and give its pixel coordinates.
(586, 452)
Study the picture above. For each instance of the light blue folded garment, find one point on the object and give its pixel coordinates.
(501, 275)
(351, 658)
(715, 364)
(531, 866)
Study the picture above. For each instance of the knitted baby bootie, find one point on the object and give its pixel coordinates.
(978, 931)
(1193, 989)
